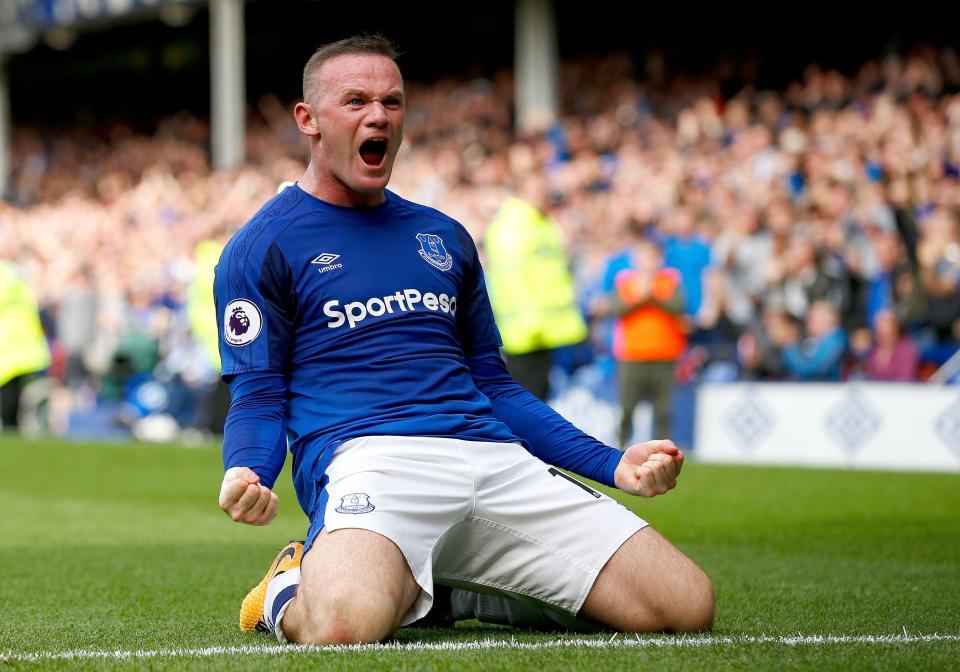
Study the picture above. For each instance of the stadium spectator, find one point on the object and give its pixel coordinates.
(800, 278)
(686, 251)
(939, 257)
(23, 345)
(648, 301)
(76, 326)
(530, 285)
(894, 356)
(744, 251)
(819, 355)
(713, 344)
(759, 348)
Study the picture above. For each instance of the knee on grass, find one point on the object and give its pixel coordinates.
(680, 602)
(338, 629)
(698, 611)
(690, 608)
(335, 621)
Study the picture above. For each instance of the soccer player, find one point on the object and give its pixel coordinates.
(357, 323)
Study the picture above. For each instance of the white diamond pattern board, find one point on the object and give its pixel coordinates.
(889, 426)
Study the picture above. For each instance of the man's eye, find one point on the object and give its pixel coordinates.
(355, 101)
(392, 102)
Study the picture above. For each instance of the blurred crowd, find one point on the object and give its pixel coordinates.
(815, 229)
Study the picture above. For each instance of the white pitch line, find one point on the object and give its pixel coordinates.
(664, 641)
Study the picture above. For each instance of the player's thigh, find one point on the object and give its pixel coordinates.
(355, 581)
(648, 585)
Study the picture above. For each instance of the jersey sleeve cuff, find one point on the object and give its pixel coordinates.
(613, 459)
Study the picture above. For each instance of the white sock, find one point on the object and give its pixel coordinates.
(280, 591)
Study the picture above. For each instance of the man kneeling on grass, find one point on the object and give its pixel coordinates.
(357, 323)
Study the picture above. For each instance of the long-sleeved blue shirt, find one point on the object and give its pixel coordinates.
(337, 323)
(819, 359)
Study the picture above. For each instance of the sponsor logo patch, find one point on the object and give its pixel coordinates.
(242, 322)
(402, 301)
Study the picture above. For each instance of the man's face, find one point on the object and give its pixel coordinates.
(359, 108)
(648, 259)
(821, 320)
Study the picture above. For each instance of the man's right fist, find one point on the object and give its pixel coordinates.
(245, 500)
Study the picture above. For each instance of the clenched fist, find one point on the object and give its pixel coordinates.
(245, 500)
(649, 469)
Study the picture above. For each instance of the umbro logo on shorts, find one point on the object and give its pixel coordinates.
(358, 502)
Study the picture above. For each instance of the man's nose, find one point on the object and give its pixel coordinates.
(377, 115)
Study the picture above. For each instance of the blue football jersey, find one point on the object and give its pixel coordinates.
(368, 313)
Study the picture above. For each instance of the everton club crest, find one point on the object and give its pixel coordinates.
(433, 252)
(358, 502)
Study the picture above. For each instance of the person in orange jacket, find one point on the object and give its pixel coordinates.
(650, 335)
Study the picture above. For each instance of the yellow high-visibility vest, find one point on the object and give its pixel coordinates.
(23, 347)
(200, 306)
(529, 281)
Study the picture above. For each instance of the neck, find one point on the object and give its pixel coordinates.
(325, 186)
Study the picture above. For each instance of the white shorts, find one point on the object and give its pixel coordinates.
(483, 516)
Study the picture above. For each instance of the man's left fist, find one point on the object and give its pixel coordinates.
(649, 469)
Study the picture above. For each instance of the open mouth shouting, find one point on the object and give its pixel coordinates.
(373, 151)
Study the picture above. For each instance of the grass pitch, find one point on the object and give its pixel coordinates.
(122, 549)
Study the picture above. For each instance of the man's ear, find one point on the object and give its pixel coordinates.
(306, 119)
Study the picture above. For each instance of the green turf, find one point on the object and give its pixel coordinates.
(122, 547)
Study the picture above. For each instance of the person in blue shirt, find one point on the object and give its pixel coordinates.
(355, 327)
(685, 251)
(819, 356)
